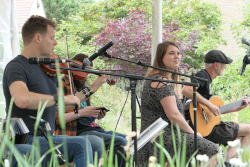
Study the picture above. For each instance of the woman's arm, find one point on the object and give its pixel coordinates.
(170, 107)
(94, 86)
(89, 111)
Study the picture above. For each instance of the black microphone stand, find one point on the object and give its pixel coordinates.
(133, 83)
(59, 154)
(246, 59)
(195, 111)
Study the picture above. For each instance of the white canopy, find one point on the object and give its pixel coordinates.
(9, 30)
(9, 40)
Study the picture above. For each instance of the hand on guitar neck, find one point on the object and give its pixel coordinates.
(246, 102)
(206, 119)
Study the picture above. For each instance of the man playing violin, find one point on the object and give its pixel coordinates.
(29, 85)
(215, 63)
(84, 124)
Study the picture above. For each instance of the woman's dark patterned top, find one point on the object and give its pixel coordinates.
(151, 110)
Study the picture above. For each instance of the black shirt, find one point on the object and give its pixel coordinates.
(37, 81)
(205, 88)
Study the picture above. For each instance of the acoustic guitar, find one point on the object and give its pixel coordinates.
(206, 120)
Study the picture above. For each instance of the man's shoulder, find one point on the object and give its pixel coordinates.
(202, 73)
(16, 61)
(19, 58)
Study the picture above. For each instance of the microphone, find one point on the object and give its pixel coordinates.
(34, 118)
(35, 60)
(87, 61)
(245, 41)
(246, 59)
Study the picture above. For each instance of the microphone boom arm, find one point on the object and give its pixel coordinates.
(162, 69)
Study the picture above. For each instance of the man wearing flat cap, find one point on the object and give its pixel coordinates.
(215, 63)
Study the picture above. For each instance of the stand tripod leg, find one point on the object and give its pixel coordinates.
(133, 109)
(59, 154)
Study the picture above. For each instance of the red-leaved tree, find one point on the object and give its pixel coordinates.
(132, 41)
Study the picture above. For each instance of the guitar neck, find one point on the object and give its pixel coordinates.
(230, 106)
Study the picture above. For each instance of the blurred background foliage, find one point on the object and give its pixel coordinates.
(194, 24)
(85, 25)
(232, 87)
(241, 29)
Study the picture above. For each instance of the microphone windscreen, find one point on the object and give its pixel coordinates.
(245, 41)
(108, 45)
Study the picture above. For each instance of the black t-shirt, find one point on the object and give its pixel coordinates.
(205, 88)
(37, 81)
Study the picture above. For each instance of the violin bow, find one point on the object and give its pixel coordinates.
(71, 82)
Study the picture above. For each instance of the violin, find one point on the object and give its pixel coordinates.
(78, 75)
(78, 64)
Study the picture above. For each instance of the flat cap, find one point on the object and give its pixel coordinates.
(217, 56)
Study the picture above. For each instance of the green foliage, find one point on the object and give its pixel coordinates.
(232, 87)
(113, 9)
(242, 28)
(78, 33)
(90, 21)
(60, 9)
(196, 15)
